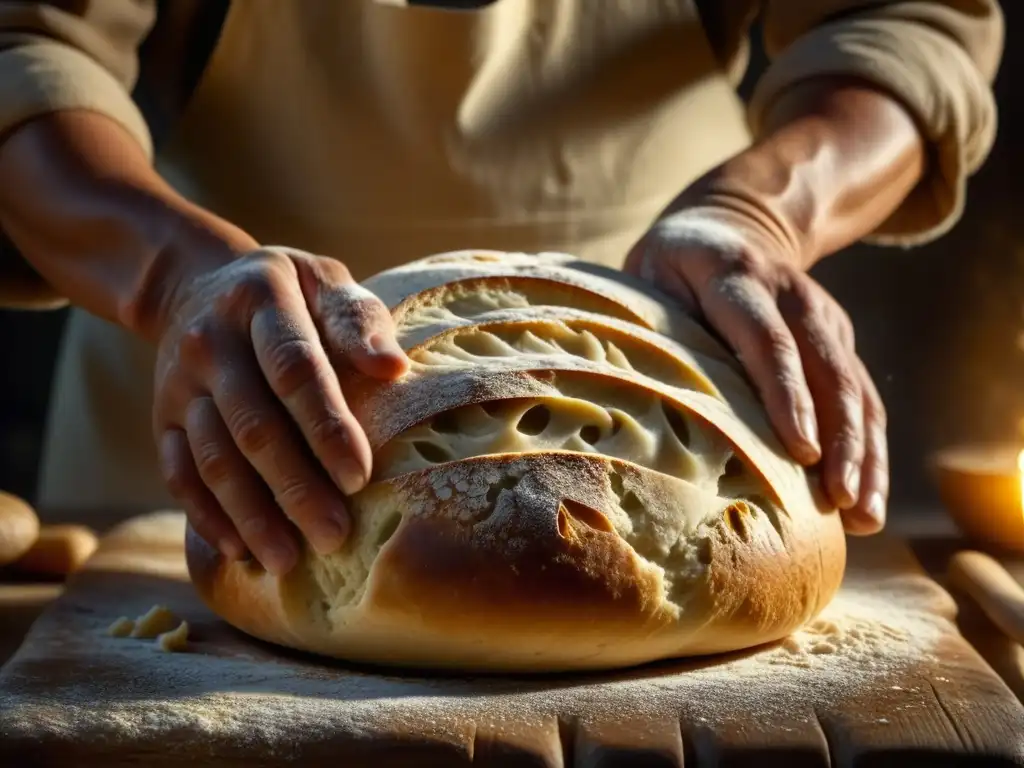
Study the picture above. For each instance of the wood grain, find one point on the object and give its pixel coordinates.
(73, 696)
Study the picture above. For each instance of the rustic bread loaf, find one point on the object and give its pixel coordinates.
(557, 485)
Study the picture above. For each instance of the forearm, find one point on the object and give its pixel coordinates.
(836, 159)
(80, 200)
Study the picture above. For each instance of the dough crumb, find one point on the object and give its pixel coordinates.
(121, 628)
(156, 621)
(174, 641)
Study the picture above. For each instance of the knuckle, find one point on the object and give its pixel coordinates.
(176, 482)
(253, 286)
(212, 463)
(800, 303)
(251, 431)
(292, 364)
(352, 314)
(358, 310)
(839, 375)
(295, 493)
(339, 272)
(779, 344)
(252, 525)
(847, 388)
(790, 385)
(329, 431)
(257, 282)
(848, 437)
(198, 343)
(744, 262)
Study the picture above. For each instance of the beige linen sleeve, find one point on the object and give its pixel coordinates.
(66, 54)
(938, 58)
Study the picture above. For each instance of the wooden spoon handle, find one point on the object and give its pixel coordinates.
(995, 591)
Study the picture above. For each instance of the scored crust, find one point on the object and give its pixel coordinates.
(556, 486)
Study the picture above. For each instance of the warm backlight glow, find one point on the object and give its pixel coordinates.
(1020, 477)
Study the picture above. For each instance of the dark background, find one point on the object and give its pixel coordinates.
(940, 327)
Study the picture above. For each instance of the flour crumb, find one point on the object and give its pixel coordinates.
(154, 622)
(174, 641)
(121, 628)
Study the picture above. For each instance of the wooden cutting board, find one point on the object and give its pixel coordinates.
(882, 677)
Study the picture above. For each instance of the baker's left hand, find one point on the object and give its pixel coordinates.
(738, 269)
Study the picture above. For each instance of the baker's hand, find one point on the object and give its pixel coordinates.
(793, 338)
(251, 425)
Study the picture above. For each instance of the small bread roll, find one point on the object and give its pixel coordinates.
(59, 550)
(19, 528)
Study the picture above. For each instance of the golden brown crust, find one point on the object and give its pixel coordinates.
(19, 527)
(647, 512)
(542, 578)
(59, 550)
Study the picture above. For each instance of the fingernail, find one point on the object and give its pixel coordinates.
(279, 558)
(809, 429)
(876, 507)
(384, 345)
(349, 477)
(332, 532)
(851, 480)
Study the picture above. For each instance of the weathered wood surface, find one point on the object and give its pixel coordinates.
(883, 679)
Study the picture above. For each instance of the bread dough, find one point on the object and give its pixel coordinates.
(174, 641)
(122, 627)
(156, 621)
(573, 475)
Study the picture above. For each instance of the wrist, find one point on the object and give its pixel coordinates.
(837, 158)
(171, 242)
(776, 190)
(725, 210)
(82, 204)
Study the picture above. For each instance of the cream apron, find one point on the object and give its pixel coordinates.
(376, 134)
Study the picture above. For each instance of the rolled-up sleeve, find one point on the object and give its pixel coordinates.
(937, 58)
(60, 55)
(75, 54)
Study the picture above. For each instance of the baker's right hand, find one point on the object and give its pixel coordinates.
(251, 426)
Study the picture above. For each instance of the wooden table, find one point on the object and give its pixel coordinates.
(912, 716)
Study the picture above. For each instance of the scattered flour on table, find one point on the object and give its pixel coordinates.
(124, 691)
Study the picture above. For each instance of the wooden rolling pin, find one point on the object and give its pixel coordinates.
(996, 592)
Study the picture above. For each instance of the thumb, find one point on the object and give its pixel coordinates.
(355, 325)
(657, 261)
